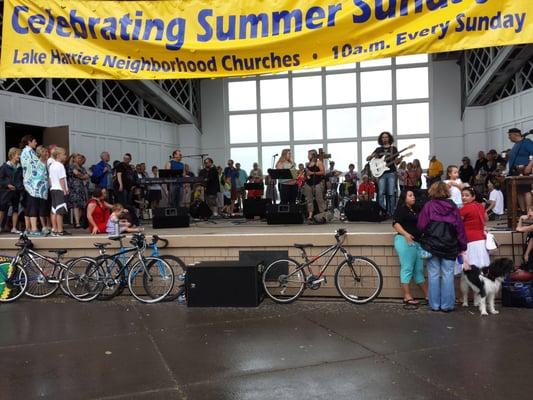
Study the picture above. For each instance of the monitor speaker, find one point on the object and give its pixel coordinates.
(170, 218)
(285, 214)
(223, 284)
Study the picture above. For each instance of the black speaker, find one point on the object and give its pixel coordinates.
(223, 284)
(255, 208)
(170, 218)
(285, 214)
(200, 210)
(369, 211)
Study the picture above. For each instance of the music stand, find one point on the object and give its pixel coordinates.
(281, 174)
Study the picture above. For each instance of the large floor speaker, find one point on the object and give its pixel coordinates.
(255, 208)
(285, 214)
(369, 211)
(223, 284)
(170, 218)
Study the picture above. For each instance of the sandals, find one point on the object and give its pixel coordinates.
(410, 304)
(77, 226)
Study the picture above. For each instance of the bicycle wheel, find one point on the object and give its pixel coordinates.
(179, 269)
(284, 280)
(153, 283)
(359, 281)
(13, 282)
(84, 279)
(114, 276)
(39, 276)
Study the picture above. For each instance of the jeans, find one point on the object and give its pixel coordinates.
(387, 191)
(411, 265)
(441, 283)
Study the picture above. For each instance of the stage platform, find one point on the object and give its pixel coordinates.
(224, 239)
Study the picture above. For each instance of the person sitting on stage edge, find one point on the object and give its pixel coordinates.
(495, 209)
(525, 225)
(98, 211)
(118, 216)
(443, 235)
(314, 184)
(387, 181)
(406, 244)
(288, 190)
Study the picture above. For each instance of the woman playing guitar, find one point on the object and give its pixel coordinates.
(387, 181)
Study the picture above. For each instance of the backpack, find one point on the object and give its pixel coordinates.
(440, 239)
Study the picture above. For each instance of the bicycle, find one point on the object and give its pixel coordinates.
(357, 279)
(43, 274)
(149, 279)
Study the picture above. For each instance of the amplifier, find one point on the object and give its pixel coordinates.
(255, 208)
(223, 284)
(368, 211)
(285, 213)
(170, 218)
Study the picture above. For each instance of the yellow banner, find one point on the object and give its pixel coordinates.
(201, 38)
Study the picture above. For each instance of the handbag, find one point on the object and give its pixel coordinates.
(490, 242)
(423, 254)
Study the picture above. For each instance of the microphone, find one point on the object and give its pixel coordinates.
(275, 155)
(528, 133)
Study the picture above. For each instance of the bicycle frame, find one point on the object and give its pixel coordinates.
(334, 249)
(33, 255)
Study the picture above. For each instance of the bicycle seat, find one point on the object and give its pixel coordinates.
(59, 252)
(101, 245)
(117, 238)
(303, 246)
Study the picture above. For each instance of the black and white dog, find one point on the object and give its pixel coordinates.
(485, 283)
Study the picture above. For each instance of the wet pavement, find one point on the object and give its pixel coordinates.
(61, 349)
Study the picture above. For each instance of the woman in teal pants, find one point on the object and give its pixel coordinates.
(406, 245)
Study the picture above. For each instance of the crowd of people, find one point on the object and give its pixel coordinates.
(33, 182)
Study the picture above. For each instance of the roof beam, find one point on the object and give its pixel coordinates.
(155, 95)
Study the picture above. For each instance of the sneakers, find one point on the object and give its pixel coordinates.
(35, 233)
(15, 231)
(64, 233)
(46, 231)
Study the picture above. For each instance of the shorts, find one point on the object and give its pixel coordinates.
(227, 201)
(10, 199)
(234, 194)
(58, 202)
(36, 207)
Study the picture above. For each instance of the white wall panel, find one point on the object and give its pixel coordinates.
(93, 131)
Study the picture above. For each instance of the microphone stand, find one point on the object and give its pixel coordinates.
(271, 182)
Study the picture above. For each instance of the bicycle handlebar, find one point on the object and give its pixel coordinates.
(156, 238)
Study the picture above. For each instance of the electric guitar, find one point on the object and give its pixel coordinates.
(380, 165)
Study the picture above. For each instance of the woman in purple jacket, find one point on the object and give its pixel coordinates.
(443, 235)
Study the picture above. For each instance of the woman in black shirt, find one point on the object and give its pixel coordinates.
(466, 171)
(407, 246)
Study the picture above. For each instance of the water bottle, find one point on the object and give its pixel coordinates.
(117, 228)
(460, 259)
